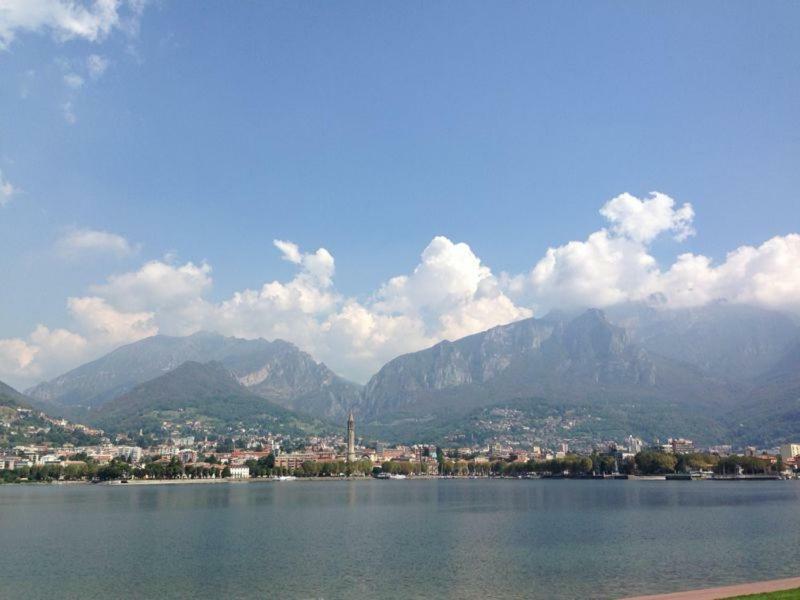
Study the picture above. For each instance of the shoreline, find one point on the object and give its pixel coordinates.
(135, 482)
(728, 591)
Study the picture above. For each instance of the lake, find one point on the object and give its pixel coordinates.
(394, 539)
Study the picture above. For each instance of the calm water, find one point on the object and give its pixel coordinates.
(394, 539)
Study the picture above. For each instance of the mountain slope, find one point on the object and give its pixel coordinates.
(585, 361)
(769, 412)
(733, 342)
(10, 397)
(197, 393)
(24, 427)
(277, 371)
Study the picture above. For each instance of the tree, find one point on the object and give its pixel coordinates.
(650, 462)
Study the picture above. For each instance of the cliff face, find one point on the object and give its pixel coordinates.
(565, 358)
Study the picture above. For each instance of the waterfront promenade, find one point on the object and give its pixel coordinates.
(730, 591)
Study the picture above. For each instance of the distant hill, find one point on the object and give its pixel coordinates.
(277, 371)
(32, 426)
(197, 393)
(578, 362)
(10, 397)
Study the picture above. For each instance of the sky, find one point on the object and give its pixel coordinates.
(366, 179)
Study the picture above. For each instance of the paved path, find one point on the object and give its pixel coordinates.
(729, 591)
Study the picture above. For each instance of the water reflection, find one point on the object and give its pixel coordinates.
(395, 539)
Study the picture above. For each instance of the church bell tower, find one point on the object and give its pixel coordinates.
(351, 439)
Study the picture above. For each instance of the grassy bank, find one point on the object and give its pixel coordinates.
(784, 595)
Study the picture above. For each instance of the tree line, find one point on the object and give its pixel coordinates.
(647, 462)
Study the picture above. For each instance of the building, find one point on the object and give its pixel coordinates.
(681, 446)
(351, 439)
(295, 460)
(635, 445)
(789, 451)
(132, 453)
(240, 472)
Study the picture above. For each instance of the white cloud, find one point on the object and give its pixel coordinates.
(90, 20)
(450, 293)
(73, 80)
(78, 243)
(644, 220)
(767, 275)
(16, 358)
(292, 310)
(601, 271)
(96, 65)
(290, 251)
(157, 285)
(47, 352)
(7, 190)
(68, 110)
(610, 266)
(616, 266)
(106, 325)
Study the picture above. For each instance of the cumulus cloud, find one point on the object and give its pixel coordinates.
(602, 270)
(47, 352)
(644, 220)
(7, 190)
(106, 325)
(16, 358)
(156, 285)
(612, 265)
(767, 275)
(450, 293)
(615, 265)
(78, 243)
(90, 20)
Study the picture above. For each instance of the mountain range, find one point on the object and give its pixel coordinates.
(713, 373)
(276, 371)
(206, 394)
(563, 362)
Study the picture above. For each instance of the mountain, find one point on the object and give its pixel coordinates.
(583, 361)
(733, 342)
(208, 395)
(18, 427)
(277, 371)
(9, 397)
(722, 371)
(769, 412)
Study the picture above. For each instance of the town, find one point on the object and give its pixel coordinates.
(182, 457)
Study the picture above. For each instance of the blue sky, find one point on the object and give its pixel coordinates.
(369, 129)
